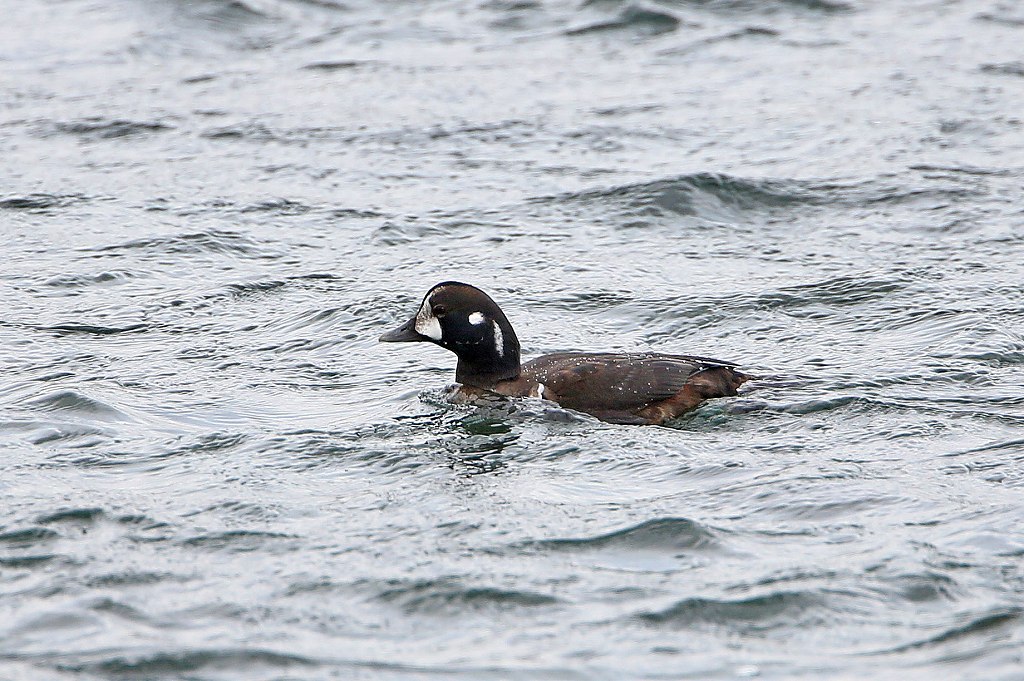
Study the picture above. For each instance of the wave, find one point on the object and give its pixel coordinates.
(221, 242)
(103, 128)
(29, 536)
(85, 280)
(1012, 68)
(38, 203)
(684, 194)
(633, 18)
(92, 329)
(717, 196)
(243, 541)
(70, 401)
(666, 534)
(975, 625)
(165, 664)
(780, 608)
(751, 205)
(767, 6)
(78, 516)
(437, 596)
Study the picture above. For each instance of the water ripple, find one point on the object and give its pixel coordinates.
(38, 202)
(449, 597)
(101, 128)
(665, 534)
(636, 19)
(217, 242)
(159, 664)
(752, 614)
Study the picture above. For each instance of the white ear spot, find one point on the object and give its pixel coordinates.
(477, 318)
(499, 339)
(427, 324)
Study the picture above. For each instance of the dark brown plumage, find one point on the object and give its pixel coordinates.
(642, 388)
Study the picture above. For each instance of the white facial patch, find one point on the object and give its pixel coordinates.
(499, 339)
(477, 318)
(426, 323)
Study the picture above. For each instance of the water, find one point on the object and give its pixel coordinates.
(211, 210)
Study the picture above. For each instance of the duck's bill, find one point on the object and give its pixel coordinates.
(406, 333)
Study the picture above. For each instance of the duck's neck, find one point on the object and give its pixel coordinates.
(485, 376)
(486, 364)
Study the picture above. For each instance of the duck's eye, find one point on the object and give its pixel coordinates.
(439, 311)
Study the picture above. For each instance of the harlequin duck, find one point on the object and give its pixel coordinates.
(641, 388)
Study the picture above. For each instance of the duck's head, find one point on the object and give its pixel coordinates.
(465, 320)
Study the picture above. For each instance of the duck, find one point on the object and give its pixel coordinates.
(642, 388)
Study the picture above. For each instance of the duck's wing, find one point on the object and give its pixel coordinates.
(614, 383)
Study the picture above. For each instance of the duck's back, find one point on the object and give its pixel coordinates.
(631, 388)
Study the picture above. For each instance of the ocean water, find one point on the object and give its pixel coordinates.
(211, 209)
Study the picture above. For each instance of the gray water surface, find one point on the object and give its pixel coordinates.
(211, 209)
